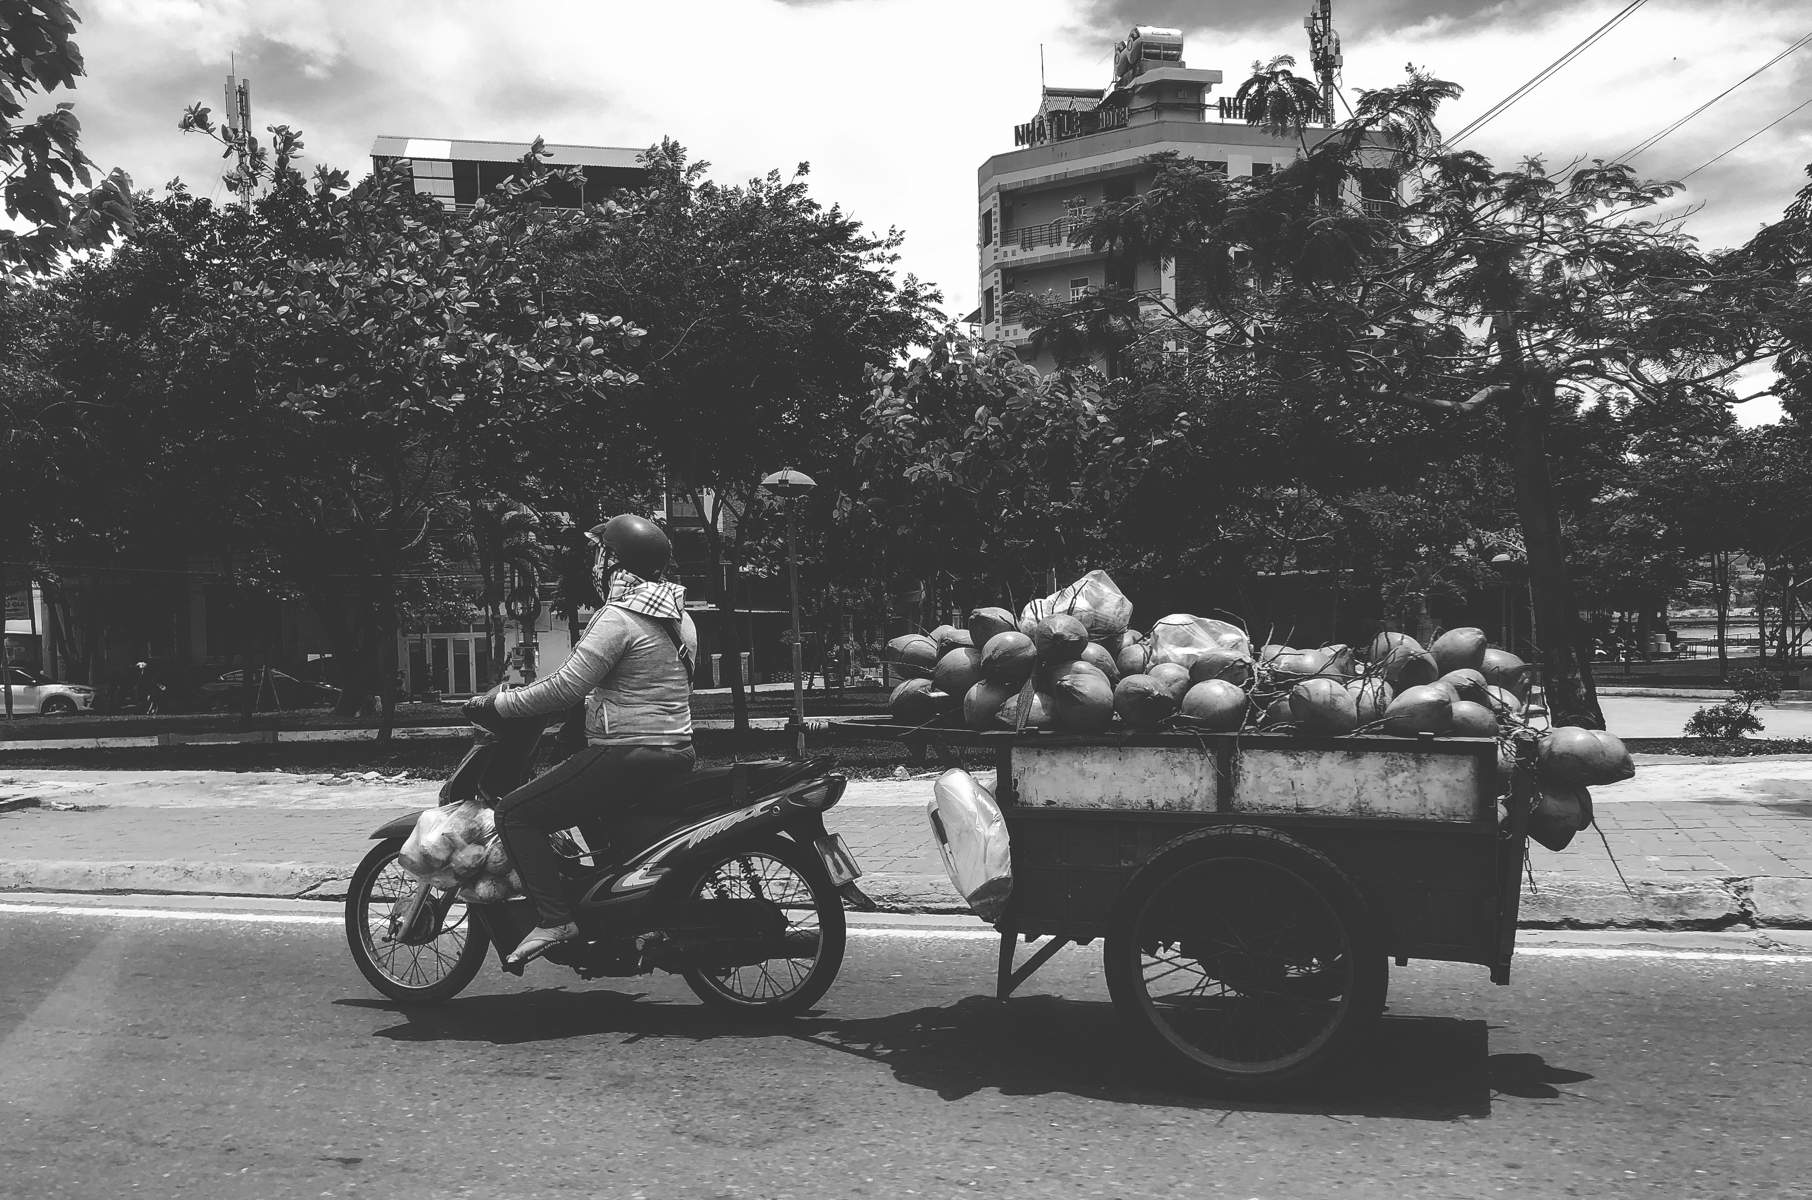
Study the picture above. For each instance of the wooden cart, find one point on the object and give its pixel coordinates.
(1249, 889)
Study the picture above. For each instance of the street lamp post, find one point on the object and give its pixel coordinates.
(789, 485)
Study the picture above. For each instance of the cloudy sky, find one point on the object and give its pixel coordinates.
(895, 103)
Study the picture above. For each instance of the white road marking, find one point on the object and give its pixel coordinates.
(884, 932)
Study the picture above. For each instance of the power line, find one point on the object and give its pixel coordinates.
(1758, 133)
(1650, 142)
(1545, 73)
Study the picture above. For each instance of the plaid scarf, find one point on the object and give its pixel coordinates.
(658, 599)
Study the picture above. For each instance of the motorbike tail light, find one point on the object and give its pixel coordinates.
(822, 793)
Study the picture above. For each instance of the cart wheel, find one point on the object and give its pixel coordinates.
(1244, 959)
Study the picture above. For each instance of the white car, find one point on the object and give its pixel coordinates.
(32, 693)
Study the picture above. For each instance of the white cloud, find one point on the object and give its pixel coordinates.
(894, 102)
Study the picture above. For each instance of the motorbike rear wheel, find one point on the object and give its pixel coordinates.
(430, 963)
(791, 876)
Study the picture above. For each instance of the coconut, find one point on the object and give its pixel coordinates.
(916, 702)
(1271, 651)
(1131, 659)
(1371, 697)
(1561, 811)
(1584, 757)
(1340, 658)
(490, 890)
(1214, 704)
(1298, 664)
(1419, 710)
(958, 671)
(1039, 711)
(1503, 669)
(1113, 643)
(1142, 701)
(1504, 701)
(1411, 668)
(1172, 676)
(1059, 638)
(1387, 644)
(1446, 689)
(913, 656)
(1097, 656)
(1277, 713)
(984, 623)
(1082, 699)
(497, 859)
(1323, 706)
(1467, 684)
(1460, 649)
(982, 701)
(948, 638)
(1473, 720)
(1231, 665)
(1009, 659)
(1506, 766)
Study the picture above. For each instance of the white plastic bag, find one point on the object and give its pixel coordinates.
(1102, 608)
(971, 836)
(1181, 639)
(451, 845)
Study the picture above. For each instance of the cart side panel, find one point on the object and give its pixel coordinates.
(1153, 778)
(1404, 784)
(1428, 884)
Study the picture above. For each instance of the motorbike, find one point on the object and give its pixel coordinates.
(726, 877)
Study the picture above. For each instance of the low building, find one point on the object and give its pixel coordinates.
(458, 171)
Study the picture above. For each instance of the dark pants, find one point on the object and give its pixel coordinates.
(583, 788)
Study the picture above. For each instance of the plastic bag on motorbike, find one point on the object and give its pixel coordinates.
(450, 845)
(1182, 638)
(1102, 608)
(972, 839)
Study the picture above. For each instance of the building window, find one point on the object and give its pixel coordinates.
(1078, 288)
(988, 228)
(988, 306)
(1219, 168)
(1260, 170)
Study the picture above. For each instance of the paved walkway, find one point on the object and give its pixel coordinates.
(1702, 842)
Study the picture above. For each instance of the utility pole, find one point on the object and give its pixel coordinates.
(1324, 52)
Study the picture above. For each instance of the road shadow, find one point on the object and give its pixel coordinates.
(1417, 1068)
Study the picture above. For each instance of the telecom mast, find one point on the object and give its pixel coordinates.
(239, 120)
(1324, 52)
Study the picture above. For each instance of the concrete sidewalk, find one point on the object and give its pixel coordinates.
(1703, 843)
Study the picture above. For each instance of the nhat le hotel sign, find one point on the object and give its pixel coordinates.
(1062, 124)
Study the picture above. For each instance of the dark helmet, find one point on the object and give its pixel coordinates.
(636, 543)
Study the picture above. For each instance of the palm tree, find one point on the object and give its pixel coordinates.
(1278, 100)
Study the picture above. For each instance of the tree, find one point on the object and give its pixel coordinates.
(1495, 301)
(43, 157)
(765, 311)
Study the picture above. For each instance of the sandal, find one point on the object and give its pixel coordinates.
(539, 941)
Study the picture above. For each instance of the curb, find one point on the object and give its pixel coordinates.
(1762, 901)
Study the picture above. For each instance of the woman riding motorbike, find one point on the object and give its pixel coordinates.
(633, 669)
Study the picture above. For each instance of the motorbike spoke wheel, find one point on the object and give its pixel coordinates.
(430, 962)
(789, 876)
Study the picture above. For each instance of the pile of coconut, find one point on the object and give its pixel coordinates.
(1072, 663)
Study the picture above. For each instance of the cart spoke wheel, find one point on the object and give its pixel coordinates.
(1244, 957)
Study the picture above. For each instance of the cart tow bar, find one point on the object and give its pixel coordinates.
(1009, 979)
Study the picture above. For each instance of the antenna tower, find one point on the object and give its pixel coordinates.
(239, 120)
(1324, 52)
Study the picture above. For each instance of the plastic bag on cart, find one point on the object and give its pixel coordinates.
(972, 839)
(453, 845)
(1102, 608)
(1181, 639)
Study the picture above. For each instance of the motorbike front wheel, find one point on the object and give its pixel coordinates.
(791, 877)
(426, 964)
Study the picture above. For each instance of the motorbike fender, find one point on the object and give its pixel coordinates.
(669, 857)
(399, 827)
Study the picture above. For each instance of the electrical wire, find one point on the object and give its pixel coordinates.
(1542, 76)
(1649, 143)
(1758, 133)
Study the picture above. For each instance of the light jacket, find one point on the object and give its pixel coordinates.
(629, 673)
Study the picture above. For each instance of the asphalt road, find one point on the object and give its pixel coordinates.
(1666, 716)
(148, 1056)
